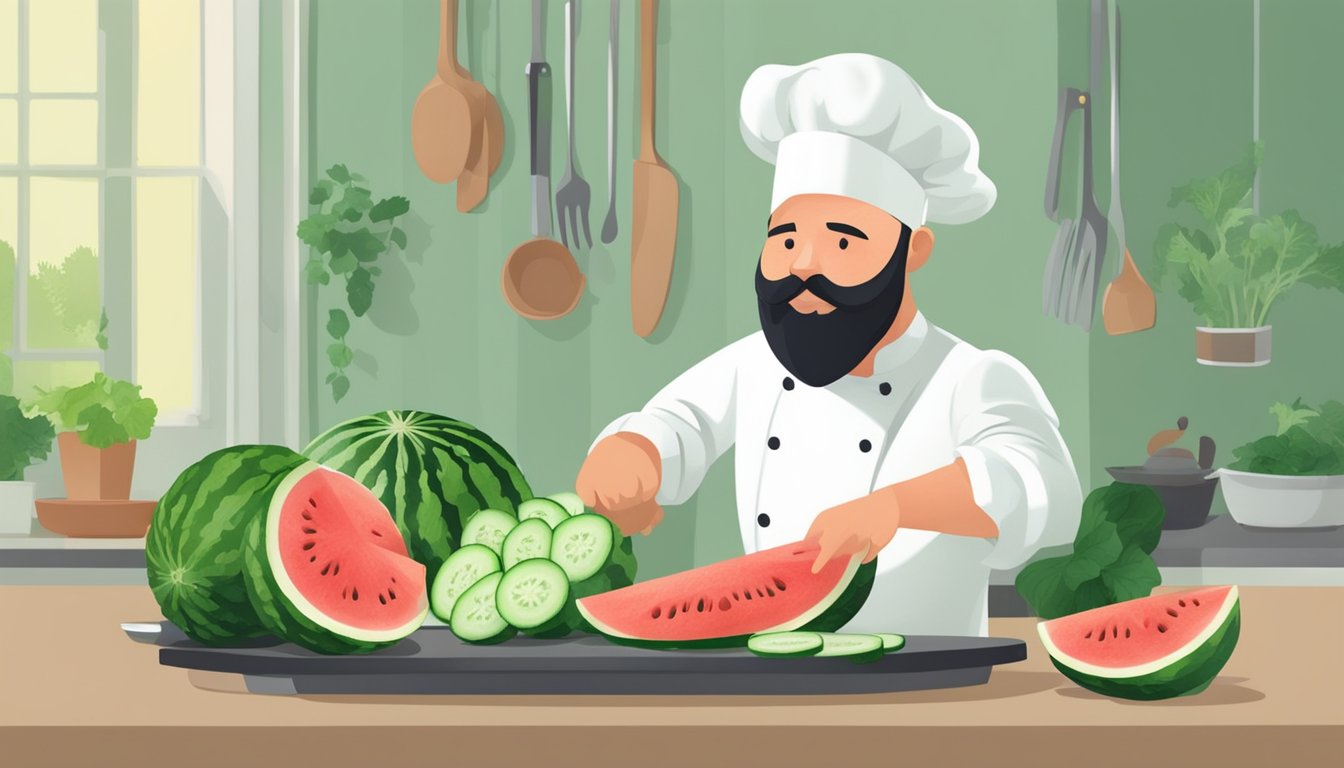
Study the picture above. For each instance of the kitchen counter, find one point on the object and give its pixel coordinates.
(74, 690)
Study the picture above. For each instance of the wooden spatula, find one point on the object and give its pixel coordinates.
(443, 131)
(653, 242)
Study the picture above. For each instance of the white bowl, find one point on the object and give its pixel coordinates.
(1284, 501)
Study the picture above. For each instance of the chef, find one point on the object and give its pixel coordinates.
(859, 424)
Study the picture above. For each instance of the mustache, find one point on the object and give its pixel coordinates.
(787, 288)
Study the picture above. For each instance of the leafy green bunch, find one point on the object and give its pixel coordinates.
(24, 440)
(104, 411)
(1111, 560)
(348, 233)
(1235, 265)
(1308, 441)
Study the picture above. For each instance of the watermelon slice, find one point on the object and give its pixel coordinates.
(1149, 648)
(326, 567)
(723, 604)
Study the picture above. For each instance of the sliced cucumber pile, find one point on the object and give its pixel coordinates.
(459, 573)
(488, 527)
(532, 596)
(570, 501)
(785, 644)
(531, 538)
(543, 509)
(476, 618)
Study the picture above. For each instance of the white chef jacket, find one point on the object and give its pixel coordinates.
(801, 450)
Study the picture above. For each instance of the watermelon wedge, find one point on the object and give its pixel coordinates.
(1150, 648)
(326, 567)
(724, 603)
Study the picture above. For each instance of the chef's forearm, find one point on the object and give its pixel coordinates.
(941, 501)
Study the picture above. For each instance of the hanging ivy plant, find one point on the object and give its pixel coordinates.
(348, 232)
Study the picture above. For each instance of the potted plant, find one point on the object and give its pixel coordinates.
(1234, 264)
(1293, 478)
(99, 422)
(24, 441)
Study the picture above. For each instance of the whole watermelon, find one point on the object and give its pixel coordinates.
(194, 547)
(432, 473)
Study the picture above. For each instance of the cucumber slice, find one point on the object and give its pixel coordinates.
(855, 647)
(584, 545)
(488, 527)
(532, 595)
(891, 643)
(570, 501)
(531, 538)
(460, 572)
(785, 644)
(543, 509)
(475, 618)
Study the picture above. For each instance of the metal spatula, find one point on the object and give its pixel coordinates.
(1070, 100)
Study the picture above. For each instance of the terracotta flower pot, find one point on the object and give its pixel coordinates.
(1233, 347)
(95, 473)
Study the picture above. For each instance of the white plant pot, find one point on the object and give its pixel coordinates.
(16, 507)
(1284, 501)
(1233, 347)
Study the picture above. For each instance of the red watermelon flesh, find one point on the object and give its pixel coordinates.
(344, 555)
(770, 590)
(1138, 632)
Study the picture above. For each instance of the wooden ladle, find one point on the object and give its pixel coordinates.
(443, 122)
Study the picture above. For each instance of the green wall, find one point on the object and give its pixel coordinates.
(1186, 111)
(442, 337)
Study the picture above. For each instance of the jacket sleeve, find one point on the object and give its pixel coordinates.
(691, 422)
(1021, 472)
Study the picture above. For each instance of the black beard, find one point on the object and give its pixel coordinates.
(820, 349)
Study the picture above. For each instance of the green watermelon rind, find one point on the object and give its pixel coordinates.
(277, 611)
(194, 546)
(1184, 677)
(388, 452)
(836, 615)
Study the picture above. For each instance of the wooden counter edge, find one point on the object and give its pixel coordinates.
(1041, 746)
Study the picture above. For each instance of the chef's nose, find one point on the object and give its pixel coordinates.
(805, 262)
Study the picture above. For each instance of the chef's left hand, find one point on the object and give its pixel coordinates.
(866, 523)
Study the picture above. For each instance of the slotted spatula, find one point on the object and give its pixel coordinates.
(653, 241)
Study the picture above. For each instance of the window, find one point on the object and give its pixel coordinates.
(102, 169)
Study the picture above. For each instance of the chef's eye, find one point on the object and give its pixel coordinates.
(789, 243)
(843, 243)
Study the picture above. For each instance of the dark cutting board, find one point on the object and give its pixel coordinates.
(433, 661)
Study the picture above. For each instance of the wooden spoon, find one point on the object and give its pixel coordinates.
(653, 242)
(474, 183)
(1128, 305)
(443, 134)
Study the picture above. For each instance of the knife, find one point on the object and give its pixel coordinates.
(539, 125)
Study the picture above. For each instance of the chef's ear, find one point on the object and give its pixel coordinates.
(921, 246)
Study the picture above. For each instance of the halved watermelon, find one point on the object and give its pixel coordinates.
(326, 567)
(1148, 648)
(723, 604)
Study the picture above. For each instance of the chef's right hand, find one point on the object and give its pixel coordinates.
(620, 479)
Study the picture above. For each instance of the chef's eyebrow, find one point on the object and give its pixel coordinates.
(781, 229)
(846, 229)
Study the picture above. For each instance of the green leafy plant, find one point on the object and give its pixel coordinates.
(1235, 265)
(348, 232)
(104, 411)
(1111, 560)
(24, 440)
(1307, 441)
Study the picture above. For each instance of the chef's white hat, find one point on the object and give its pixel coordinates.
(857, 125)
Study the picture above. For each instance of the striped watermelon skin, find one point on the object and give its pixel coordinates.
(194, 547)
(432, 473)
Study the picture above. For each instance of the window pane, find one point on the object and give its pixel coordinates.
(165, 291)
(47, 374)
(9, 132)
(63, 46)
(168, 110)
(64, 285)
(63, 132)
(9, 235)
(9, 45)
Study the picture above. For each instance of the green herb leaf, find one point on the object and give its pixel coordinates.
(1093, 550)
(1214, 197)
(101, 338)
(389, 208)
(353, 204)
(315, 272)
(102, 430)
(23, 440)
(1132, 575)
(344, 264)
(1328, 270)
(1136, 512)
(313, 229)
(339, 387)
(363, 244)
(399, 237)
(338, 323)
(340, 355)
(321, 193)
(332, 376)
(1290, 415)
(339, 174)
(1041, 584)
(359, 291)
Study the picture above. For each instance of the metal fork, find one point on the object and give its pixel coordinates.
(574, 195)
